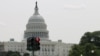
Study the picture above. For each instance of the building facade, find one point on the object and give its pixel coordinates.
(53, 48)
(37, 27)
(13, 46)
(47, 48)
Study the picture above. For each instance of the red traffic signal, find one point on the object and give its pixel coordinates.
(37, 39)
(33, 43)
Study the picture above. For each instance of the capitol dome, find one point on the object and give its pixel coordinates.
(36, 26)
(36, 18)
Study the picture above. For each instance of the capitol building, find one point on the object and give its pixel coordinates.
(37, 27)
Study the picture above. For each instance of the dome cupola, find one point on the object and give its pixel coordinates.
(36, 17)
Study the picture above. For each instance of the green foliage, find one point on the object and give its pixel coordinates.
(88, 48)
(98, 52)
(76, 50)
(3, 53)
(10, 53)
(85, 50)
(26, 54)
(89, 42)
(85, 38)
(89, 37)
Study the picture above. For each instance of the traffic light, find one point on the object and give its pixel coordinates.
(30, 43)
(33, 43)
(37, 43)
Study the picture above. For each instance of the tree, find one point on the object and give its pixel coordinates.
(76, 50)
(89, 45)
(91, 37)
(10, 53)
(85, 50)
(88, 48)
(96, 38)
(26, 54)
(3, 53)
(86, 38)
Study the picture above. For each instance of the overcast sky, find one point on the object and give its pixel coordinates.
(67, 20)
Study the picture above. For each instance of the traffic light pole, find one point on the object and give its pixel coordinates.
(33, 53)
(33, 44)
